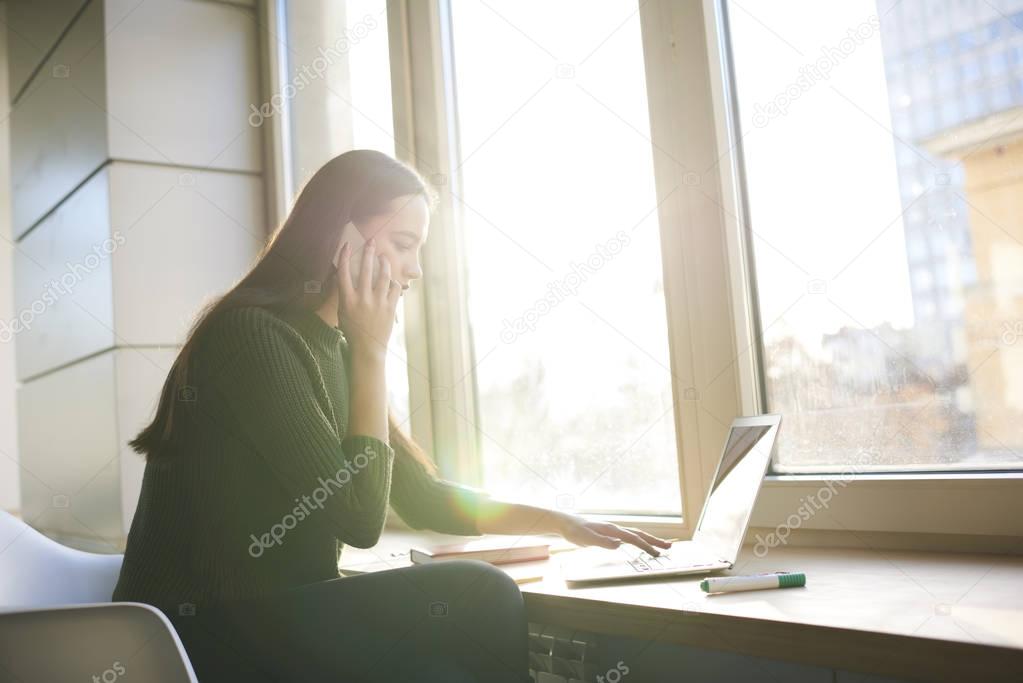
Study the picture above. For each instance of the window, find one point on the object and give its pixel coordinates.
(557, 203)
(370, 74)
(502, 105)
(874, 368)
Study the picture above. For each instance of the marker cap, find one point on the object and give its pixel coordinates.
(792, 580)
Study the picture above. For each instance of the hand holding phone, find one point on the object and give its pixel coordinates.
(365, 311)
(351, 235)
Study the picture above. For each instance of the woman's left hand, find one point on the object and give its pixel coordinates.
(607, 535)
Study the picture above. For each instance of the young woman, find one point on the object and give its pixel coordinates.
(272, 447)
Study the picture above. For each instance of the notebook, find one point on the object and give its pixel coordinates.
(492, 550)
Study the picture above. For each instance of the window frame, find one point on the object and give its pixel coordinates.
(709, 284)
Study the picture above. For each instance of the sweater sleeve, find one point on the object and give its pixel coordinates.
(268, 386)
(425, 502)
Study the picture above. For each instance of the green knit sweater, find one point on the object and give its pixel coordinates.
(267, 483)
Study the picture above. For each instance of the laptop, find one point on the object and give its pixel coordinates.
(722, 526)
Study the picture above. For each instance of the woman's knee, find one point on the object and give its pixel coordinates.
(478, 585)
(483, 584)
(496, 579)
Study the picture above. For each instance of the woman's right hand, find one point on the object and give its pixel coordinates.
(366, 309)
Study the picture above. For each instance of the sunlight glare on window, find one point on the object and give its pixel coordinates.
(557, 201)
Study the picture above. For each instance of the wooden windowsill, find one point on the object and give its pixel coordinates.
(918, 615)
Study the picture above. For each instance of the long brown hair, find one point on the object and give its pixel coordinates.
(350, 187)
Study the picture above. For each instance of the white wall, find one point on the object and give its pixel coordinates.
(130, 133)
(10, 498)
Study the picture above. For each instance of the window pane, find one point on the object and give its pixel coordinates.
(566, 298)
(887, 220)
(370, 72)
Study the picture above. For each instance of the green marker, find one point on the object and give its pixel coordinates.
(729, 584)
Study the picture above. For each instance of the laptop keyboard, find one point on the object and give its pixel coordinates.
(644, 562)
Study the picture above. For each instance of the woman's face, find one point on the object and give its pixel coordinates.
(400, 233)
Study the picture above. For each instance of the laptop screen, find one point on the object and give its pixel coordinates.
(734, 492)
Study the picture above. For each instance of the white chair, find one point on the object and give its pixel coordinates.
(57, 622)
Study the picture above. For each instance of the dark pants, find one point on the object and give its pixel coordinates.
(454, 621)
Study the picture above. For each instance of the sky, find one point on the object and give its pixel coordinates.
(822, 181)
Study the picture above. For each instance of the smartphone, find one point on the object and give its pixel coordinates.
(351, 235)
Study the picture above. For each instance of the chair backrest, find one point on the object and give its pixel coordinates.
(92, 643)
(36, 571)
